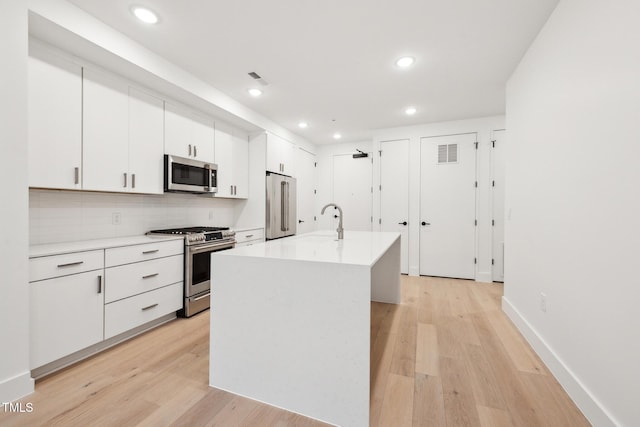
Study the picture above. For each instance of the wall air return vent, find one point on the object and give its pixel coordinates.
(258, 78)
(447, 153)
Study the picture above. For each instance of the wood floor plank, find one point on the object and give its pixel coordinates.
(428, 401)
(518, 349)
(397, 410)
(485, 387)
(459, 404)
(427, 355)
(492, 417)
(381, 355)
(404, 353)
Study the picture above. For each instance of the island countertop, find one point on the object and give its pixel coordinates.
(357, 248)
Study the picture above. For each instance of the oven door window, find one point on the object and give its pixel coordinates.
(201, 268)
(189, 175)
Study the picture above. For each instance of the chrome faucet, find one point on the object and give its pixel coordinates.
(340, 230)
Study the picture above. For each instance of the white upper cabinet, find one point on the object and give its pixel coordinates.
(55, 114)
(146, 120)
(188, 134)
(105, 150)
(280, 155)
(232, 158)
(123, 136)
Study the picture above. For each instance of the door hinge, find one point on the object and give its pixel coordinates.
(380, 153)
(315, 191)
(315, 164)
(379, 220)
(493, 222)
(372, 160)
(476, 222)
(492, 262)
(372, 189)
(476, 184)
(475, 260)
(314, 218)
(380, 187)
(371, 219)
(476, 145)
(493, 143)
(493, 183)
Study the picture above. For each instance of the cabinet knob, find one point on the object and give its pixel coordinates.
(425, 223)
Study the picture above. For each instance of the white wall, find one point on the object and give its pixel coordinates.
(483, 127)
(573, 120)
(15, 379)
(64, 216)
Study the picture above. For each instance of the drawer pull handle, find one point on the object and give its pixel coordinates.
(202, 297)
(149, 276)
(71, 264)
(150, 307)
(150, 252)
(99, 284)
(248, 236)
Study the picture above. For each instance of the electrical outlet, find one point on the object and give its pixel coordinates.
(543, 302)
(116, 218)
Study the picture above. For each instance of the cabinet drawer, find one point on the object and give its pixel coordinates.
(144, 252)
(249, 235)
(120, 316)
(63, 265)
(132, 279)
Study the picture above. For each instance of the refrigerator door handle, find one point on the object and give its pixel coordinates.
(283, 206)
(288, 204)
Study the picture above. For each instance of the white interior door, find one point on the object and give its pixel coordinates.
(497, 201)
(447, 206)
(306, 176)
(352, 187)
(394, 194)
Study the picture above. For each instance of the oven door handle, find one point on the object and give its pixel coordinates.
(198, 249)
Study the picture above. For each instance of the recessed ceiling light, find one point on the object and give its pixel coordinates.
(405, 61)
(303, 125)
(337, 136)
(255, 92)
(410, 111)
(145, 15)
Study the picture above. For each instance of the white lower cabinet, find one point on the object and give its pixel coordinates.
(77, 303)
(65, 312)
(125, 314)
(249, 237)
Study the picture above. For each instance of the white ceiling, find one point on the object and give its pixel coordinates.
(329, 60)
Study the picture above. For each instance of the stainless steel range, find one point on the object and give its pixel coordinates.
(199, 243)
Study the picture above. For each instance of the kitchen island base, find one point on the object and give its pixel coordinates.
(294, 332)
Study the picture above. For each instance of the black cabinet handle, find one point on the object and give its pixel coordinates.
(426, 223)
(300, 221)
(403, 223)
(335, 216)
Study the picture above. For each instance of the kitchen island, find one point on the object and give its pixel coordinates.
(290, 320)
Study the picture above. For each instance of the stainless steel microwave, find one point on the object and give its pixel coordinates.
(189, 175)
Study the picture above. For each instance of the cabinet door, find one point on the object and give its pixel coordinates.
(66, 315)
(188, 134)
(178, 132)
(280, 155)
(55, 114)
(224, 159)
(105, 148)
(241, 164)
(203, 138)
(145, 143)
(288, 156)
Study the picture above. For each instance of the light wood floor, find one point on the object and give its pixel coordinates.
(447, 356)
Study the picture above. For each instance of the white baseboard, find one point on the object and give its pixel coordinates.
(414, 271)
(484, 276)
(590, 407)
(16, 387)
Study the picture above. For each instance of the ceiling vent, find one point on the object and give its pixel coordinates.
(258, 78)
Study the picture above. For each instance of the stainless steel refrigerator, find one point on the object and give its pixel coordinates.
(281, 206)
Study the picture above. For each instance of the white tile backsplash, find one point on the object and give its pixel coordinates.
(65, 216)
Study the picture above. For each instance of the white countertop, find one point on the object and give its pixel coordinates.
(88, 245)
(357, 247)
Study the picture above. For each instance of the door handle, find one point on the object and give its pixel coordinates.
(300, 221)
(425, 223)
(403, 223)
(335, 216)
